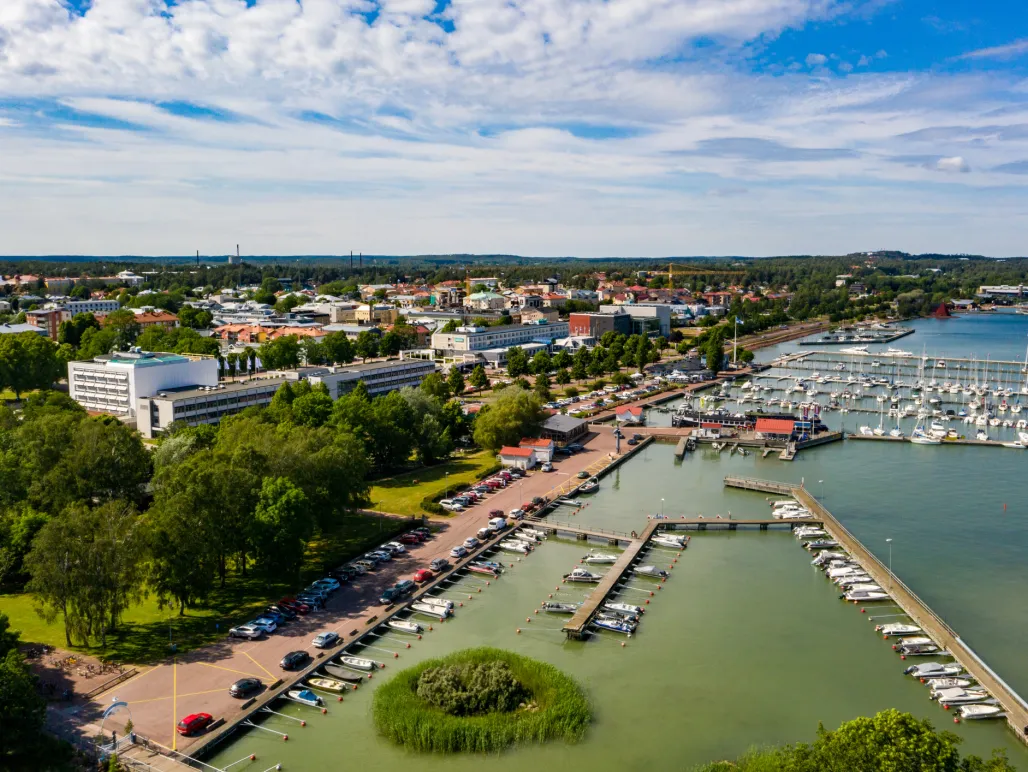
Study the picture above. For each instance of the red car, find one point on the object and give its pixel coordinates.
(194, 723)
(294, 605)
(409, 538)
(423, 575)
(497, 513)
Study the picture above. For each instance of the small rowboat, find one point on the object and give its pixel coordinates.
(477, 569)
(328, 684)
(342, 674)
(560, 608)
(358, 662)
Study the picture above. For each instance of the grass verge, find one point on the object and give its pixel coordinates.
(403, 494)
(147, 631)
(562, 713)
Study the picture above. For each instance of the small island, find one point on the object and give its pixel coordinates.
(480, 700)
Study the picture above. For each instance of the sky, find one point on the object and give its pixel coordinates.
(533, 127)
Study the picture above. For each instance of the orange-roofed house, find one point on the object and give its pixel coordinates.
(543, 448)
(630, 415)
(157, 319)
(775, 428)
(300, 332)
(519, 458)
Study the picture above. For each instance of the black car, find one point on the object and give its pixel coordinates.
(244, 687)
(293, 660)
(282, 611)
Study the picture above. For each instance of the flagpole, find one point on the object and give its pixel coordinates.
(735, 344)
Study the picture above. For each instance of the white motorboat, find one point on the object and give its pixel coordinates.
(937, 684)
(866, 596)
(650, 571)
(589, 486)
(862, 587)
(923, 439)
(1017, 445)
(623, 608)
(668, 540)
(850, 580)
(539, 535)
(441, 602)
(600, 557)
(515, 545)
(852, 570)
(404, 626)
(779, 503)
(439, 612)
(581, 575)
(958, 696)
(809, 532)
(522, 535)
(560, 608)
(358, 663)
(918, 649)
(821, 544)
(933, 670)
(981, 711)
(306, 696)
(615, 624)
(897, 628)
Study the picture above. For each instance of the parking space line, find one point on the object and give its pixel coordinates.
(174, 704)
(230, 670)
(258, 664)
(170, 696)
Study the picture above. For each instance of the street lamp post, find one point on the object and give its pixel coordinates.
(889, 542)
(822, 489)
(662, 508)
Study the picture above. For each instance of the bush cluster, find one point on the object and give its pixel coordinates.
(471, 689)
(554, 705)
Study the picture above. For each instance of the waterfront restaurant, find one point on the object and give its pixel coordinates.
(518, 458)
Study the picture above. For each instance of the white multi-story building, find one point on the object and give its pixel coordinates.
(378, 377)
(478, 340)
(194, 405)
(112, 383)
(91, 306)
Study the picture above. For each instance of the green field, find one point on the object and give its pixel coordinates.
(402, 495)
(146, 630)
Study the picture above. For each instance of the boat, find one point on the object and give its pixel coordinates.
(404, 626)
(918, 649)
(528, 538)
(651, 571)
(809, 532)
(958, 696)
(933, 670)
(513, 545)
(306, 696)
(860, 586)
(559, 608)
(866, 596)
(670, 542)
(600, 557)
(948, 683)
(439, 612)
(821, 544)
(441, 602)
(1017, 445)
(359, 663)
(897, 628)
(342, 674)
(589, 486)
(581, 575)
(475, 568)
(614, 624)
(623, 608)
(328, 684)
(539, 535)
(981, 711)
(569, 502)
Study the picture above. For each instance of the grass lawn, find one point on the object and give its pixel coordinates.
(144, 632)
(402, 494)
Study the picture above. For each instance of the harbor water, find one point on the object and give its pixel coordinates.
(746, 644)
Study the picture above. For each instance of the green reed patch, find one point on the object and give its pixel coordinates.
(480, 700)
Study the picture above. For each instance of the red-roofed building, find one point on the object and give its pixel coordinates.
(629, 414)
(775, 428)
(543, 449)
(157, 319)
(521, 458)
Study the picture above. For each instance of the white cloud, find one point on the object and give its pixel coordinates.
(1008, 51)
(816, 60)
(953, 164)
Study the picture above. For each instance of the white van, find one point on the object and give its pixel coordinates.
(498, 524)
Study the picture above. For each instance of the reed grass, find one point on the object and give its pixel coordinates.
(561, 710)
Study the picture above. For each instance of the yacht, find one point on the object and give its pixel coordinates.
(981, 711)
(651, 571)
(515, 545)
(809, 532)
(936, 684)
(581, 575)
(897, 628)
(623, 608)
(599, 557)
(866, 596)
(589, 486)
(668, 540)
(958, 696)
(821, 544)
(440, 602)
(933, 670)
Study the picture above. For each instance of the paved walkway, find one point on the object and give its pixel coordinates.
(198, 681)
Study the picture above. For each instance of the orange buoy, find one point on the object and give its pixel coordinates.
(303, 723)
(285, 737)
(519, 631)
(339, 699)
(408, 645)
(324, 711)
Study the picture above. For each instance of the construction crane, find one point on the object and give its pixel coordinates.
(695, 272)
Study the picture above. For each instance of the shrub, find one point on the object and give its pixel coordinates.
(550, 704)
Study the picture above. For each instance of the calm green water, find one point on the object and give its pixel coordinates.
(746, 644)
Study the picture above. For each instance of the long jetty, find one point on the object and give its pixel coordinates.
(1014, 706)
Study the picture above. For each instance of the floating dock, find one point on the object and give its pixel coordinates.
(871, 337)
(931, 623)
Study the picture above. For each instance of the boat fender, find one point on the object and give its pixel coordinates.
(622, 644)
(369, 676)
(253, 757)
(863, 611)
(480, 589)
(419, 636)
(430, 628)
(648, 600)
(537, 611)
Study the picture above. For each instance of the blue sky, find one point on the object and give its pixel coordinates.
(588, 127)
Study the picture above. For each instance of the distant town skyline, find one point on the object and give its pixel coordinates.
(587, 129)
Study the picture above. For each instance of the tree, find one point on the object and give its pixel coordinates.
(455, 380)
(563, 377)
(562, 359)
(541, 362)
(96, 342)
(366, 345)
(70, 331)
(28, 361)
(312, 352)
(281, 353)
(284, 525)
(391, 344)
(515, 414)
(517, 361)
(714, 350)
(312, 409)
(287, 304)
(450, 326)
(22, 709)
(642, 354)
(125, 327)
(232, 360)
(435, 386)
(478, 377)
(195, 318)
(337, 348)
(542, 387)
(580, 364)
(432, 430)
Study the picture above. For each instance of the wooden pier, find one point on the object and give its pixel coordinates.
(945, 441)
(579, 623)
(931, 623)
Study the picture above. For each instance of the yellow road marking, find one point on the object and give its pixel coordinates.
(230, 670)
(133, 679)
(168, 697)
(174, 704)
(258, 664)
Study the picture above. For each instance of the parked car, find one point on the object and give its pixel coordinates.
(294, 605)
(365, 564)
(277, 618)
(495, 513)
(382, 556)
(267, 624)
(471, 543)
(515, 513)
(451, 505)
(458, 552)
(293, 660)
(328, 583)
(423, 531)
(633, 441)
(244, 687)
(484, 534)
(288, 613)
(547, 466)
(252, 632)
(405, 586)
(439, 564)
(423, 575)
(194, 723)
(313, 602)
(325, 640)
(409, 538)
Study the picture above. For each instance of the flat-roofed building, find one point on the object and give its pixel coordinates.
(378, 377)
(195, 405)
(469, 340)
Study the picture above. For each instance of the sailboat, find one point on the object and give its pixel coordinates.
(920, 437)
